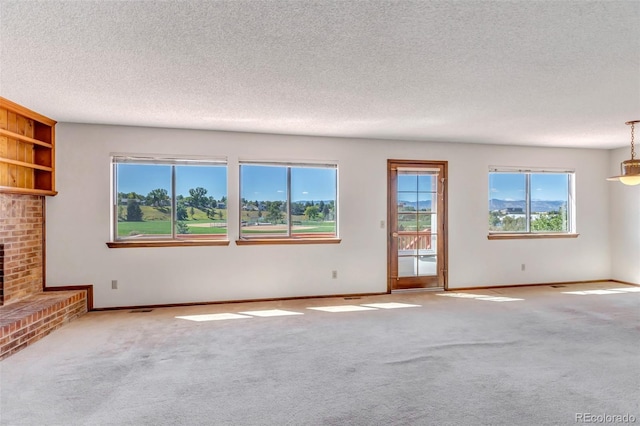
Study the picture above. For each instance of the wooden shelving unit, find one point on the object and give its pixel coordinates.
(27, 151)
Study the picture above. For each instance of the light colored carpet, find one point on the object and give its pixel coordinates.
(450, 361)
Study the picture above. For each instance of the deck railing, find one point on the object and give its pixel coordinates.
(414, 240)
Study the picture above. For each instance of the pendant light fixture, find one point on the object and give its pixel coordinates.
(629, 169)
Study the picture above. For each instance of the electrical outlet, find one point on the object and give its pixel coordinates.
(114, 284)
(522, 267)
(334, 274)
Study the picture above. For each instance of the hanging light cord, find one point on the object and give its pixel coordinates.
(633, 147)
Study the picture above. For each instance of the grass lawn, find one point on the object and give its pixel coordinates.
(163, 227)
(301, 227)
(164, 214)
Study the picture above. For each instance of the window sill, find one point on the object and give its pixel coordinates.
(166, 243)
(515, 236)
(265, 241)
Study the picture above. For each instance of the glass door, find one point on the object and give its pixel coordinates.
(416, 220)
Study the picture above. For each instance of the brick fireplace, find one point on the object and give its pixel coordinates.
(21, 246)
(1, 274)
(28, 310)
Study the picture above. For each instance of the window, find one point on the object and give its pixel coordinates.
(290, 201)
(531, 201)
(169, 199)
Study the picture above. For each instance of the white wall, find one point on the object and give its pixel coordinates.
(625, 223)
(78, 220)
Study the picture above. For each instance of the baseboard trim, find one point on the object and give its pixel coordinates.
(625, 282)
(88, 288)
(221, 302)
(90, 307)
(530, 285)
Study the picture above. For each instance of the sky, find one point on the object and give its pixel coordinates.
(262, 183)
(416, 187)
(269, 183)
(544, 186)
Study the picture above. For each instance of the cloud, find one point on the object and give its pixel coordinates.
(279, 190)
(494, 190)
(305, 192)
(538, 189)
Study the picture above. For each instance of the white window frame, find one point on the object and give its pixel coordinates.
(571, 208)
(289, 165)
(158, 159)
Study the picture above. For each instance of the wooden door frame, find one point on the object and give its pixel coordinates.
(445, 222)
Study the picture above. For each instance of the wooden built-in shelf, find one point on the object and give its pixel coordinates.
(27, 165)
(26, 191)
(24, 138)
(27, 151)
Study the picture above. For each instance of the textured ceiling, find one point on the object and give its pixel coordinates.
(552, 73)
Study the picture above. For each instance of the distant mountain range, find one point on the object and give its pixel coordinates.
(418, 205)
(536, 205)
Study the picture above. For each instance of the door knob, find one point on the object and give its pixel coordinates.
(395, 234)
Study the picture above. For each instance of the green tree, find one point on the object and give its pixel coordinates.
(134, 212)
(494, 220)
(512, 224)
(274, 212)
(136, 196)
(213, 203)
(312, 212)
(326, 212)
(297, 209)
(181, 211)
(192, 212)
(198, 198)
(157, 197)
(551, 221)
(181, 227)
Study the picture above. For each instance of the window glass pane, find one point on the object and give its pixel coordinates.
(201, 202)
(427, 182)
(407, 201)
(313, 202)
(425, 221)
(264, 201)
(426, 201)
(549, 201)
(507, 202)
(407, 181)
(143, 201)
(407, 222)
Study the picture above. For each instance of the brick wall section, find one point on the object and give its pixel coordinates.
(21, 233)
(29, 320)
(1, 274)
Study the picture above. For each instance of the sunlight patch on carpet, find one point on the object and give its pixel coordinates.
(391, 305)
(499, 299)
(480, 297)
(627, 289)
(212, 317)
(588, 292)
(462, 295)
(342, 308)
(271, 313)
